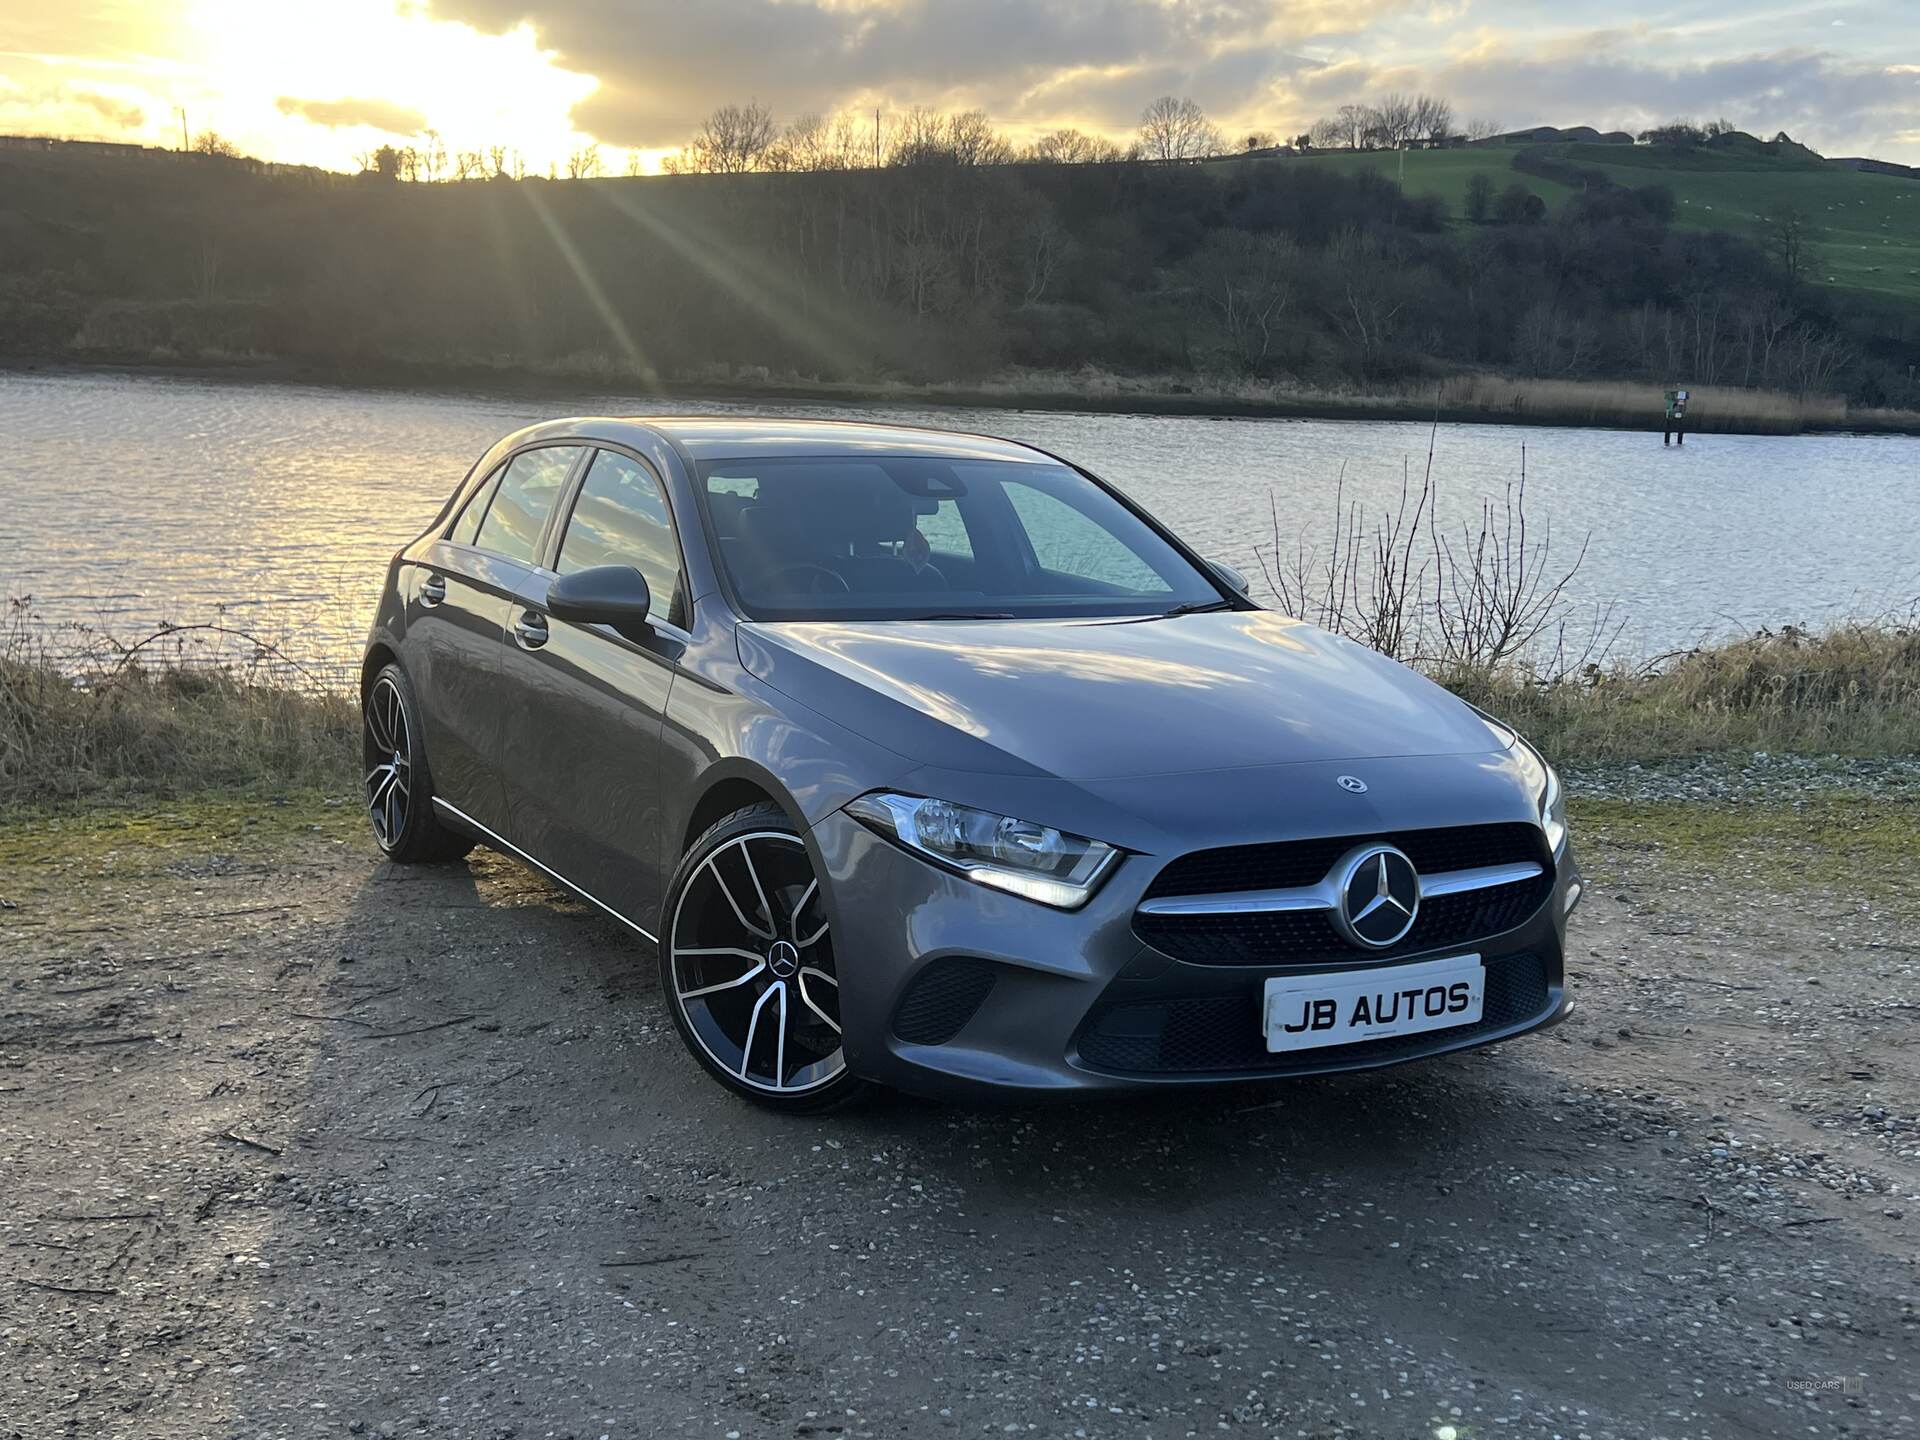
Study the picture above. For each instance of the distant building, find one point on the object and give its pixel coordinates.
(111, 149)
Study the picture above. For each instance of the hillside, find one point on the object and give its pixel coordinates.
(1864, 228)
(1283, 274)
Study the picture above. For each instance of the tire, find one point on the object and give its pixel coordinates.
(746, 966)
(398, 790)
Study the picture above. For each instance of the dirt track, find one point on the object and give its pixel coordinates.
(293, 1143)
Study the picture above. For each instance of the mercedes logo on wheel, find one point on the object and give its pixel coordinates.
(1379, 896)
(1352, 784)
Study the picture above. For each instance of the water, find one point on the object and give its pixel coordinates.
(125, 503)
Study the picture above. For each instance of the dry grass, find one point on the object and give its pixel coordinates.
(87, 719)
(1615, 404)
(1850, 690)
(1618, 402)
(115, 731)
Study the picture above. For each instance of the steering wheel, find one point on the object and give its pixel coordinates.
(823, 581)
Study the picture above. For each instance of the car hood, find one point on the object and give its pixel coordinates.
(1092, 699)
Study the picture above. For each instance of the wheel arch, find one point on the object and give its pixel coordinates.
(379, 655)
(728, 787)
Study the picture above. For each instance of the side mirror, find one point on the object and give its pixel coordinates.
(1236, 582)
(615, 595)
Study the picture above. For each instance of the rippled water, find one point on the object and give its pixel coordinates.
(129, 502)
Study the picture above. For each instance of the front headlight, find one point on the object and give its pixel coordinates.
(1553, 811)
(1551, 798)
(1018, 856)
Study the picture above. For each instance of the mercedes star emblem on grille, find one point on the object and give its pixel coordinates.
(1352, 784)
(1379, 897)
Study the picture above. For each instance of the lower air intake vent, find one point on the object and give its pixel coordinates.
(1217, 1033)
(941, 999)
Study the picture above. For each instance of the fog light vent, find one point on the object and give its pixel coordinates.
(941, 1000)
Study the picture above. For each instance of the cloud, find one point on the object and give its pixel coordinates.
(121, 113)
(663, 64)
(340, 114)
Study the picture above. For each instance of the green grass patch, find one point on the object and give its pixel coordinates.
(1863, 228)
(126, 840)
(1857, 844)
(1442, 172)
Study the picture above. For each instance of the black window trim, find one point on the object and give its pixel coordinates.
(570, 497)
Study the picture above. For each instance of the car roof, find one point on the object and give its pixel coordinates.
(736, 437)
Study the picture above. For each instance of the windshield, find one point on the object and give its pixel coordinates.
(878, 537)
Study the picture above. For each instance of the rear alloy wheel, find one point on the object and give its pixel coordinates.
(398, 789)
(747, 965)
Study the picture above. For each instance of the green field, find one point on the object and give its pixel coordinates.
(1865, 228)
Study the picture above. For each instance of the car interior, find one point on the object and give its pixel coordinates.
(897, 536)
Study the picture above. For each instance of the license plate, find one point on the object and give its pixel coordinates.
(1304, 1012)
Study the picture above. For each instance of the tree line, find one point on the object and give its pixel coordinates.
(944, 262)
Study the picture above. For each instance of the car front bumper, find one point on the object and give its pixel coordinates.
(1043, 1002)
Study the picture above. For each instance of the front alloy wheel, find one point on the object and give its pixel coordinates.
(748, 966)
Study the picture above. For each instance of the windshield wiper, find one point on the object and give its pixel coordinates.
(966, 615)
(1192, 607)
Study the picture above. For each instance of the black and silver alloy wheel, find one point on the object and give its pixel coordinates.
(388, 747)
(398, 790)
(748, 964)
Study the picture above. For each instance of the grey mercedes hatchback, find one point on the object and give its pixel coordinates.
(930, 760)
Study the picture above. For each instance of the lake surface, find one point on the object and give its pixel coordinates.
(128, 502)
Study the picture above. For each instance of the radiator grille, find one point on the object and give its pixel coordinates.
(1308, 937)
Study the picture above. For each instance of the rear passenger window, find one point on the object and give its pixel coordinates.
(621, 519)
(525, 498)
(468, 525)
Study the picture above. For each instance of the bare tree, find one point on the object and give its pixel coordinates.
(806, 144)
(1248, 281)
(211, 142)
(732, 141)
(1072, 147)
(927, 137)
(1040, 245)
(584, 163)
(1432, 119)
(432, 162)
(1351, 123)
(974, 141)
(1483, 128)
(207, 259)
(1783, 235)
(1395, 119)
(469, 165)
(1177, 129)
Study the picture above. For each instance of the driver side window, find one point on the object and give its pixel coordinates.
(621, 519)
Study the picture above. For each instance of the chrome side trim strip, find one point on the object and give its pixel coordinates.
(1324, 897)
(502, 843)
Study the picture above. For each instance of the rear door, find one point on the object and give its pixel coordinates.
(467, 582)
(585, 703)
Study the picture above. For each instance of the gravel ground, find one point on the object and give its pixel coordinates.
(294, 1143)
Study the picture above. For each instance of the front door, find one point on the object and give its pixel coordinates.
(458, 612)
(585, 703)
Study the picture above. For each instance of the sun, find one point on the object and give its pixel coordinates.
(258, 71)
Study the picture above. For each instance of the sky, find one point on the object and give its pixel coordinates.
(324, 81)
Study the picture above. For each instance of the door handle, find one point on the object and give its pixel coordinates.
(531, 630)
(433, 590)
